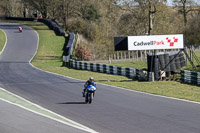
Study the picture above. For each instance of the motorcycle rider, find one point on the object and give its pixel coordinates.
(20, 29)
(88, 83)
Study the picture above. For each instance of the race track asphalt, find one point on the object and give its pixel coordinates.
(114, 110)
(17, 120)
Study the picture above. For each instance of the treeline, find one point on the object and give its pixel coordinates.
(100, 20)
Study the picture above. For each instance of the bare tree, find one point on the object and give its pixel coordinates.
(192, 31)
(185, 7)
(142, 11)
(11, 7)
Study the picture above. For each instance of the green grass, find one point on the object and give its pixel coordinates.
(136, 64)
(49, 58)
(50, 48)
(2, 39)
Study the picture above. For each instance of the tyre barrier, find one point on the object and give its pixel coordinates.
(104, 68)
(190, 77)
(68, 47)
(18, 18)
(53, 25)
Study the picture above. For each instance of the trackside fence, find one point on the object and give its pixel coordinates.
(190, 77)
(104, 68)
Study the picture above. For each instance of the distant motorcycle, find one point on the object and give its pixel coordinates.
(90, 91)
(20, 29)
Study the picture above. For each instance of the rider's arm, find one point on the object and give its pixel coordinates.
(86, 84)
(94, 84)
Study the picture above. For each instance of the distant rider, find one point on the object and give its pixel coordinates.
(88, 83)
(20, 29)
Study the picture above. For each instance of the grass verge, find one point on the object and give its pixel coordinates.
(48, 58)
(136, 64)
(2, 39)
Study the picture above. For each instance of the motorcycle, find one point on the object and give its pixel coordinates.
(20, 29)
(90, 91)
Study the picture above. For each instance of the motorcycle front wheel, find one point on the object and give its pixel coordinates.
(91, 98)
(86, 98)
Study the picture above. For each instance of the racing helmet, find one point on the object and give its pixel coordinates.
(91, 79)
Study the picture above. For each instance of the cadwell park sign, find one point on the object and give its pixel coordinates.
(149, 42)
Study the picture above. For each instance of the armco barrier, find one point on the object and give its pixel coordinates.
(104, 68)
(190, 77)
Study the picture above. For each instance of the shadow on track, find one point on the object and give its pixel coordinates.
(72, 103)
(17, 32)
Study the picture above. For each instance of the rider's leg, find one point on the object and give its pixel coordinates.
(84, 92)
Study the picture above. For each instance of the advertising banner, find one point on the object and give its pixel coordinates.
(155, 42)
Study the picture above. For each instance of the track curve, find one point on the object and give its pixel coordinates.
(114, 110)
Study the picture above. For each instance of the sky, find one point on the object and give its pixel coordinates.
(169, 2)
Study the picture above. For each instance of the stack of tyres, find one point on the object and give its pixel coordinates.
(182, 60)
(165, 61)
(167, 67)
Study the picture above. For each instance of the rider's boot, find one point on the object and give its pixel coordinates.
(83, 94)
